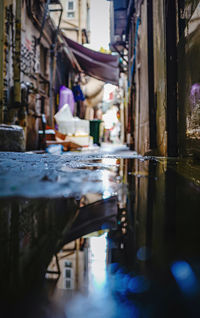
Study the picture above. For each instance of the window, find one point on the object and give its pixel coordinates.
(68, 264)
(68, 284)
(71, 6)
(68, 275)
(70, 14)
(71, 9)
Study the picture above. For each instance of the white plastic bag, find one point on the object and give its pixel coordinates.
(65, 120)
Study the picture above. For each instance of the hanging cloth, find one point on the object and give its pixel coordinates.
(78, 94)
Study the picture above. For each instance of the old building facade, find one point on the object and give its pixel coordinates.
(163, 96)
(28, 43)
(75, 22)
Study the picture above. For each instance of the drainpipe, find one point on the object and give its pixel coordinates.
(79, 22)
(2, 16)
(51, 82)
(52, 69)
(17, 67)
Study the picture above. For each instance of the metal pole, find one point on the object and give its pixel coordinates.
(52, 71)
(52, 54)
(79, 22)
(2, 16)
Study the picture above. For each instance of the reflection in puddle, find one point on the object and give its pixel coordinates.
(185, 277)
(106, 184)
(109, 176)
(146, 266)
(97, 271)
(92, 304)
(108, 286)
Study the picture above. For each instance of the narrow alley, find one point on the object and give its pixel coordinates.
(99, 158)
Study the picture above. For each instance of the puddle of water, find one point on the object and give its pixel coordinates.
(149, 264)
(153, 259)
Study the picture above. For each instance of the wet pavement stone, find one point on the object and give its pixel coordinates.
(32, 175)
(12, 138)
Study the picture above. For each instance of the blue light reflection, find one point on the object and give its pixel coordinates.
(184, 277)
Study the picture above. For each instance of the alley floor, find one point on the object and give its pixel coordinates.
(149, 207)
(74, 174)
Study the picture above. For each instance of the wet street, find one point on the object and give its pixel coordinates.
(99, 158)
(144, 258)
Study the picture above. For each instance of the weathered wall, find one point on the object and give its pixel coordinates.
(30, 68)
(189, 84)
(34, 68)
(142, 96)
(160, 75)
(142, 104)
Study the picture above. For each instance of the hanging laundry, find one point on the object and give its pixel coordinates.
(78, 94)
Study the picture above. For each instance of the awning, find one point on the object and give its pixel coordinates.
(93, 217)
(95, 64)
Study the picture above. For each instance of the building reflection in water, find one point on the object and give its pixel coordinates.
(148, 264)
(97, 262)
(108, 176)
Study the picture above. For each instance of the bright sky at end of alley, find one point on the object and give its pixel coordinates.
(100, 29)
